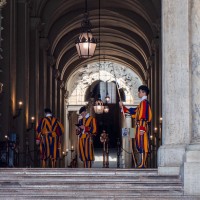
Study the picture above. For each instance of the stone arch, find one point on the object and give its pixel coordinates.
(89, 75)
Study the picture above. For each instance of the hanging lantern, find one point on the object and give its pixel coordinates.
(99, 107)
(107, 98)
(86, 43)
(106, 109)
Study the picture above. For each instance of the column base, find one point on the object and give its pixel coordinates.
(170, 159)
(191, 170)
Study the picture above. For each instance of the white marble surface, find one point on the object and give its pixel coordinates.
(191, 168)
(191, 179)
(171, 155)
(195, 62)
(176, 76)
(165, 171)
(176, 80)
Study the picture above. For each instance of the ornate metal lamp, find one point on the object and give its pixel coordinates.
(99, 107)
(106, 109)
(86, 43)
(107, 98)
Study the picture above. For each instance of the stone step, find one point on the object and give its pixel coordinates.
(77, 171)
(102, 197)
(69, 179)
(88, 192)
(74, 183)
(49, 185)
(81, 173)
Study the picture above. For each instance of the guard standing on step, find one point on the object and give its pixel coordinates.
(143, 116)
(48, 136)
(86, 129)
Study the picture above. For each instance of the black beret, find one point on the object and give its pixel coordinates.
(82, 109)
(47, 110)
(144, 88)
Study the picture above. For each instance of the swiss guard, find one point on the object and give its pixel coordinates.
(49, 132)
(86, 130)
(143, 116)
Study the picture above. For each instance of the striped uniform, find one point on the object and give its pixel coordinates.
(143, 116)
(49, 132)
(86, 148)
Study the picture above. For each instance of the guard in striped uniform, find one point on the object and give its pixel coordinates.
(143, 116)
(86, 131)
(49, 133)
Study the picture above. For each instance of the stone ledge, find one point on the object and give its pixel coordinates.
(168, 170)
(171, 155)
(193, 156)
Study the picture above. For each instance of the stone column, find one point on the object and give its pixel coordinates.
(44, 45)
(22, 74)
(53, 90)
(192, 158)
(66, 134)
(176, 81)
(34, 78)
(62, 90)
(51, 63)
(127, 157)
(2, 3)
(155, 102)
(7, 31)
(57, 93)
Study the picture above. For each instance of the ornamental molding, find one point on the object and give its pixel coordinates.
(84, 78)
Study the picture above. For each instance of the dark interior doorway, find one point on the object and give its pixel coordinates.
(110, 122)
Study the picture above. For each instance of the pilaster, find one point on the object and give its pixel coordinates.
(191, 167)
(176, 81)
(44, 45)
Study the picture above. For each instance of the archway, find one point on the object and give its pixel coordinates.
(41, 35)
(84, 85)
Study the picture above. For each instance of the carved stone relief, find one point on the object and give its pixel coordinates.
(107, 71)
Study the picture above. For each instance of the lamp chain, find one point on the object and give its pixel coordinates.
(85, 6)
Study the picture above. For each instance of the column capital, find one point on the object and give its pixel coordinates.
(149, 62)
(62, 85)
(35, 22)
(66, 95)
(157, 28)
(51, 60)
(44, 43)
(146, 75)
(57, 74)
(155, 45)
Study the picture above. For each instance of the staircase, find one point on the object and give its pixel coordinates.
(98, 161)
(69, 183)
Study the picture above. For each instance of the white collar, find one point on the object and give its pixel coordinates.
(86, 116)
(143, 98)
(48, 115)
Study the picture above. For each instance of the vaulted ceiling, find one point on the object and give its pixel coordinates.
(128, 29)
